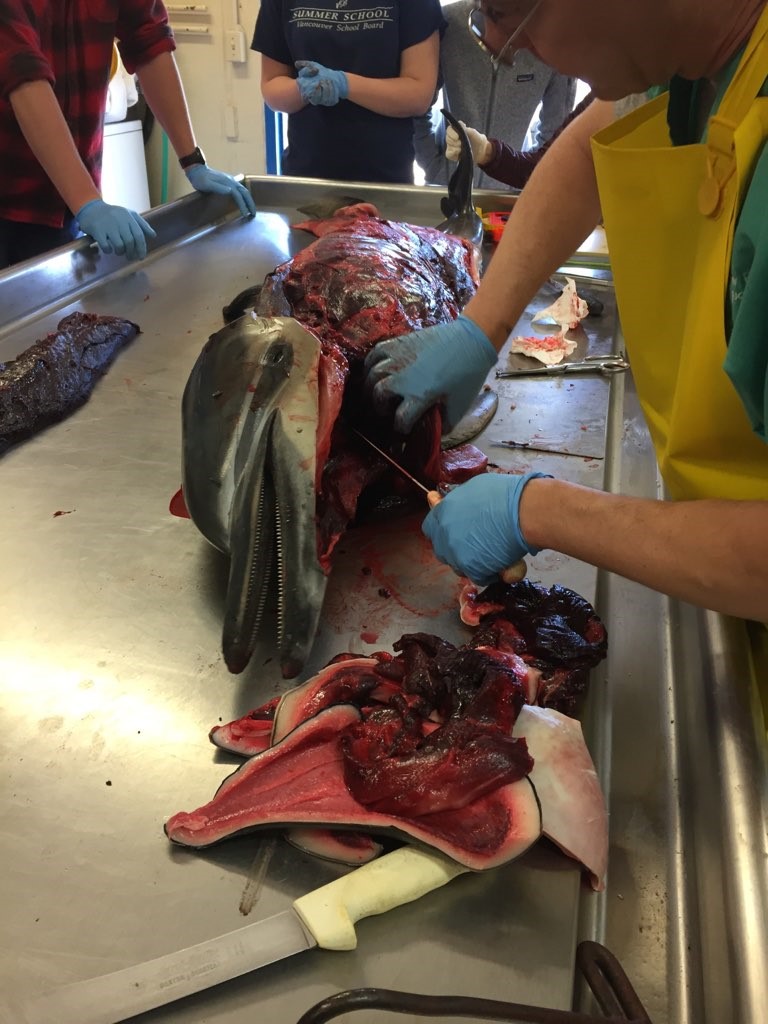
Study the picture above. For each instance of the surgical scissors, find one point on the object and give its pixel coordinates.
(605, 365)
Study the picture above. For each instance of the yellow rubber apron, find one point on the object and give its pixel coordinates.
(670, 213)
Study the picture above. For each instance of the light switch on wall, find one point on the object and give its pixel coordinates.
(236, 46)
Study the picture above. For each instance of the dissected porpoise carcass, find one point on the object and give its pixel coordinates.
(272, 471)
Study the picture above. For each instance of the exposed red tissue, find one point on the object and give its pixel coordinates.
(431, 741)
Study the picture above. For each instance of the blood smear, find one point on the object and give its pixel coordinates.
(178, 507)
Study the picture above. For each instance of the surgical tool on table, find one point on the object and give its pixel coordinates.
(605, 365)
(533, 447)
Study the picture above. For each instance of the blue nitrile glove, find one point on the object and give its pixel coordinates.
(476, 527)
(115, 229)
(321, 86)
(205, 179)
(447, 363)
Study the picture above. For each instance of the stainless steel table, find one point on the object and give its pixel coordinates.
(111, 677)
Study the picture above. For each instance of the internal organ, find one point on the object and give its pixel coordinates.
(434, 742)
(362, 281)
(546, 639)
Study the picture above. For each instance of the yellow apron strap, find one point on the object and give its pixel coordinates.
(746, 84)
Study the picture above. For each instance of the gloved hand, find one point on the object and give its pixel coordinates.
(476, 527)
(319, 85)
(205, 179)
(115, 229)
(447, 363)
(482, 150)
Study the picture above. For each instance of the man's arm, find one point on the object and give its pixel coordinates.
(556, 211)
(161, 84)
(42, 123)
(711, 553)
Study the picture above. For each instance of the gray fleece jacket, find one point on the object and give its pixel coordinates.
(503, 111)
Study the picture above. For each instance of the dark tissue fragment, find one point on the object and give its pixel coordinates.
(557, 625)
(51, 378)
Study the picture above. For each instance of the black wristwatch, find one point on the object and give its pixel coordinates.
(195, 157)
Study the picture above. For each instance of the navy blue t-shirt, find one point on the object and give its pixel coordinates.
(347, 141)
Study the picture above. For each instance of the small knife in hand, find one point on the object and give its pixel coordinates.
(512, 574)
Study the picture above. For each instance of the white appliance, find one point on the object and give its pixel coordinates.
(124, 166)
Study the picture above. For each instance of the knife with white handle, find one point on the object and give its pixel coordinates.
(325, 918)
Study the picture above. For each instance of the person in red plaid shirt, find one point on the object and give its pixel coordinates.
(55, 62)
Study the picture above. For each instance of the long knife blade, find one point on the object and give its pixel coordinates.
(325, 917)
(392, 462)
(133, 990)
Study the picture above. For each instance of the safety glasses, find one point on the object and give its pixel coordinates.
(477, 22)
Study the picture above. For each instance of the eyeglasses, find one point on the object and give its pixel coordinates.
(477, 23)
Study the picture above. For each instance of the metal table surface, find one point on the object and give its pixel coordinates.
(111, 676)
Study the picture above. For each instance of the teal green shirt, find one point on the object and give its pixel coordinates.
(746, 314)
(747, 318)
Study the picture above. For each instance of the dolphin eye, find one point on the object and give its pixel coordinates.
(277, 354)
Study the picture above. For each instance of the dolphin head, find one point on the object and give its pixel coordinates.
(249, 421)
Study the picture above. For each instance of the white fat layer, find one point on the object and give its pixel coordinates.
(573, 811)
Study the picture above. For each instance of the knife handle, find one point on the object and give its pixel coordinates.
(330, 912)
(513, 573)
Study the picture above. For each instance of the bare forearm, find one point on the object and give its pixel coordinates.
(710, 553)
(42, 123)
(282, 93)
(556, 211)
(393, 97)
(163, 91)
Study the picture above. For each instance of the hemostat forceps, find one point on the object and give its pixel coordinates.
(604, 365)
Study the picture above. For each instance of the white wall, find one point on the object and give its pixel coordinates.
(218, 93)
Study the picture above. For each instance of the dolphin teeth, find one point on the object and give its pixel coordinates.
(293, 456)
(252, 558)
(249, 424)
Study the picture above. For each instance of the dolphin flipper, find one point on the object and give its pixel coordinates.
(461, 218)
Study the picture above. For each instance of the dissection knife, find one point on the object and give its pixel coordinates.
(512, 574)
(325, 918)
(433, 497)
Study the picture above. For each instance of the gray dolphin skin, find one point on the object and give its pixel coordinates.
(249, 420)
(461, 217)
